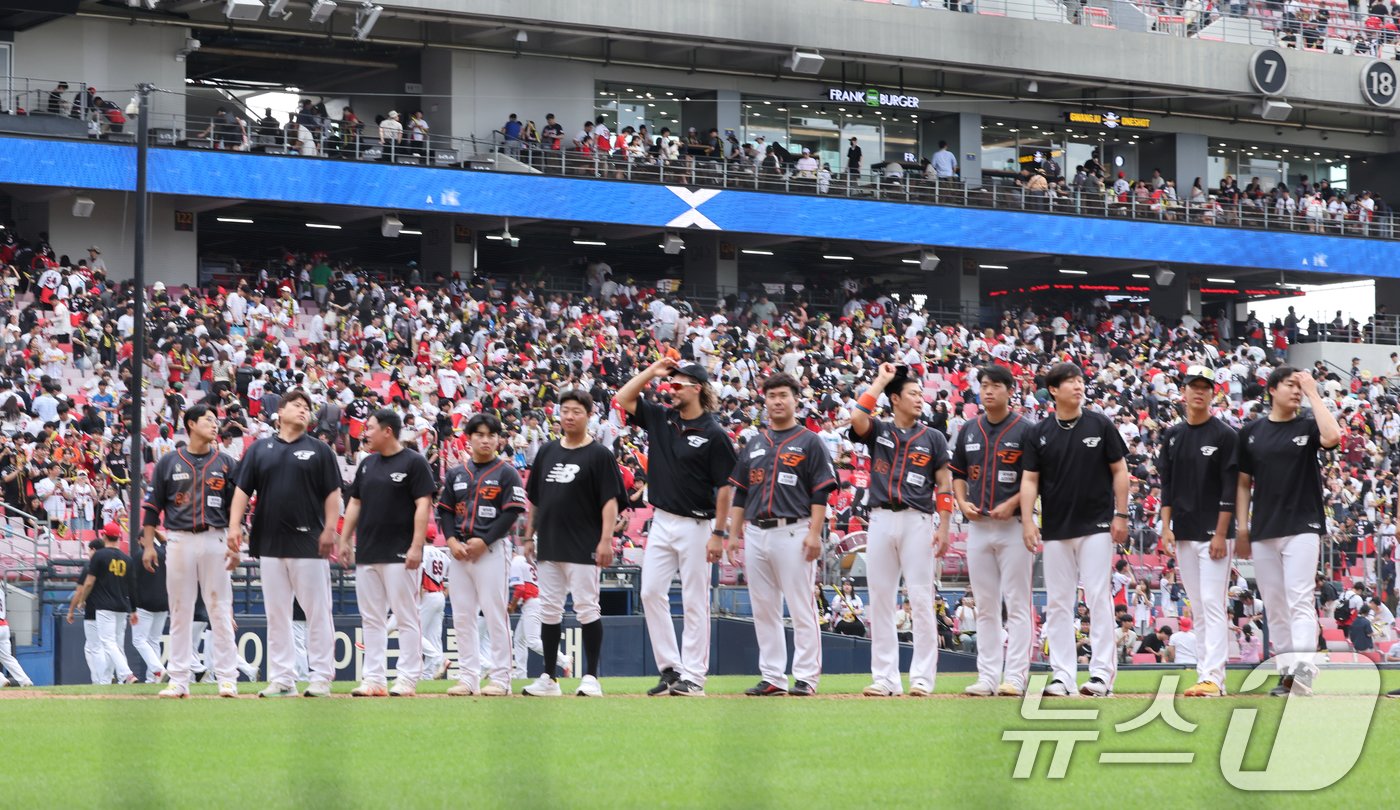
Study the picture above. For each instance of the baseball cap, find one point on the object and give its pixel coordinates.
(112, 530)
(695, 372)
(1194, 373)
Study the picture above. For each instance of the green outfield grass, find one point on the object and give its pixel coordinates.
(629, 751)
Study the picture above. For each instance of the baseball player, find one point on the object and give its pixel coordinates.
(781, 482)
(1074, 463)
(385, 527)
(297, 479)
(152, 610)
(909, 464)
(986, 468)
(108, 583)
(190, 488)
(93, 651)
(689, 499)
(525, 599)
(1280, 476)
(480, 502)
(1199, 478)
(7, 658)
(577, 491)
(431, 601)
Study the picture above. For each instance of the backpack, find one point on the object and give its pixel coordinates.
(1342, 612)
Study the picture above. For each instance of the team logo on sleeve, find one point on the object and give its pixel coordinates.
(398, 477)
(562, 473)
(755, 476)
(518, 493)
(1092, 441)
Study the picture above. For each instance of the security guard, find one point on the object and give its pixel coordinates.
(781, 483)
(909, 461)
(192, 487)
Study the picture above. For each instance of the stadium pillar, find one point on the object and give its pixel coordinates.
(963, 132)
(1176, 299)
(1388, 295)
(728, 112)
(954, 287)
(711, 264)
(447, 248)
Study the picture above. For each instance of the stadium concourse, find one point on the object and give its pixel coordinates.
(440, 350)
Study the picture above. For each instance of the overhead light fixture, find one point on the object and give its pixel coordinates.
(672, 244)
(808, 62)
(757, 252)
(149, 4)
(1141, 275)
(910, 261)
(234, 220)
(323, 226)
(365, 19)
(928, 260)
(321, 10)
(82, 207)
(1221, 280)
(407, 232)
(1070, 272)
(495, 237)
(591, 242)
(993, 267)
(513, 241)
(390, 225)
(246, 10)
(833, 257)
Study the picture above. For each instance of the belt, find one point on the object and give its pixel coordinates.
(203, 527)
(710, 515)
(894, 507)
(773, 523)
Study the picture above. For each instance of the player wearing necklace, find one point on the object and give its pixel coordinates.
(1074, 464)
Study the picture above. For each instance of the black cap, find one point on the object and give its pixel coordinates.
(695, 372)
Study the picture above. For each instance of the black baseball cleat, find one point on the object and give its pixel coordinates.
(1302, 682)
(669, 678)
(765, 689)
(802, 689)
(687, 689)
(1394, 693)
(1284, 687)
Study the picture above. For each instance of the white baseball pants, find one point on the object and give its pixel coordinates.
(677, 544)
(777, 570)
(303, 671)
(199, 640)
(1086, 560)
(999, 569)
(7, 657)
(430, 610)
(379, 587)
(95, 653)
(197, 563)
(145, 637)
(1207, 581)
(560, 579)
(111, 634)
(1285, 568)
(527, 636)
(480, 587)
(901, 542)
(308, 581)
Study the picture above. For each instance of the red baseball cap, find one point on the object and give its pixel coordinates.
(112, 530)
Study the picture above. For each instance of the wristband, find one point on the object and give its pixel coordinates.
(944, 502)
(867, 402)
(1123, 515)
(721, 535)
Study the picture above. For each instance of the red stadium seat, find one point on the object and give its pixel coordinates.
(1144, 658)
(1333, 634)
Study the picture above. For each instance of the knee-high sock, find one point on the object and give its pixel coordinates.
(549, 637)
(592, 646)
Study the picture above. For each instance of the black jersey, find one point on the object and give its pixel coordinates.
(989, 458)
(1076, 484)
(192, 490)
(1282, 458)
(693, 458)
(1197, 467)
(782, 474)
(112, 585)
(388, 489)
(150, 585)
(903, 464)
(569, 489)
(292, 481)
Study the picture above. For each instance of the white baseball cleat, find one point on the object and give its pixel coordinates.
(463, 689)
(174, 690)
(1096, 687)
(494, 689)
(544, 686)
(403, 688)
(249, 672)
(1009, 690)
(920, 688)
(1056, 689)
(440, 673)
(317, 689)
(368, 689)
(277, 690)
(589, 687)
(980, 689)
(878, 690)
(228, 689)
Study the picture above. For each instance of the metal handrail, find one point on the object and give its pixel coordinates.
(42, 532)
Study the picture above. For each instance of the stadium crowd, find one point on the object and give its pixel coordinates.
(440, 350)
